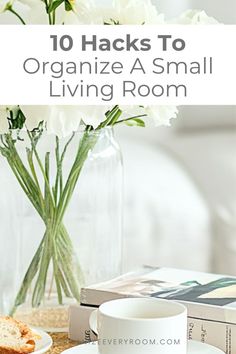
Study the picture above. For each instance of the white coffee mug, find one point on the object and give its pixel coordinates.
(140, 326)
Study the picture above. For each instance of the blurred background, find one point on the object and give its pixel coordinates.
(223, 11)
(180, 181)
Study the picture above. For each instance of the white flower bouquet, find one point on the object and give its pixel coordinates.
(51, 199)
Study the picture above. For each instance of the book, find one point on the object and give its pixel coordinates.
(221, 335)
(218, 334)
(210, 297)
(79, 329)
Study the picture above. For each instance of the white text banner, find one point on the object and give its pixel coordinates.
(100, 65)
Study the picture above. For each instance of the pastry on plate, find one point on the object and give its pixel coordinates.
(15, 337)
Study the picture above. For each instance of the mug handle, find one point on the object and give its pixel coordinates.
(93, 320)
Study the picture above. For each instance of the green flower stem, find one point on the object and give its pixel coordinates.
(59, 160)
(34, 174)
(51, 15)
(130, 119)
(21, 173)
(10, 9)
(56, 248)
(41, 281)
(28, 278)
(59, 172)
(54, 17)
(86, 145)
(67, 241)
(60, 253)
(60, 284)
(47, 185)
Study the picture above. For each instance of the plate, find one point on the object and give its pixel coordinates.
(43, 344)
(193, 348)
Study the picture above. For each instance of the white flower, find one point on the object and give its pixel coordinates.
(35, 12)
(195, 17)
(34, 115)
(82, 12)
(93, 115)
(131, 110)
(127, 12)
(59, 120)
(85, 12)
(161, 115)
(32, 11)
(137, 12)
(63, 120)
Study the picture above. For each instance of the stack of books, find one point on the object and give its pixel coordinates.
(209, 298)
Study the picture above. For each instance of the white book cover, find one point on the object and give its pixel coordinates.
(207, 296)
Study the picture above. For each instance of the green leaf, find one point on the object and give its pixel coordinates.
(116, 117)
(113, 22)
(68, 6)
(16, 120)
(111, 117)
(135, 122)
(54, 5)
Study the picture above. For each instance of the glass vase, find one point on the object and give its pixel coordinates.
(63, 244)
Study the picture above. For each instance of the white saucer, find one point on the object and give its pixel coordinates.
(193, 348)
(43, 344)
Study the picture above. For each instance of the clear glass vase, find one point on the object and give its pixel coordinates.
(64, 245)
